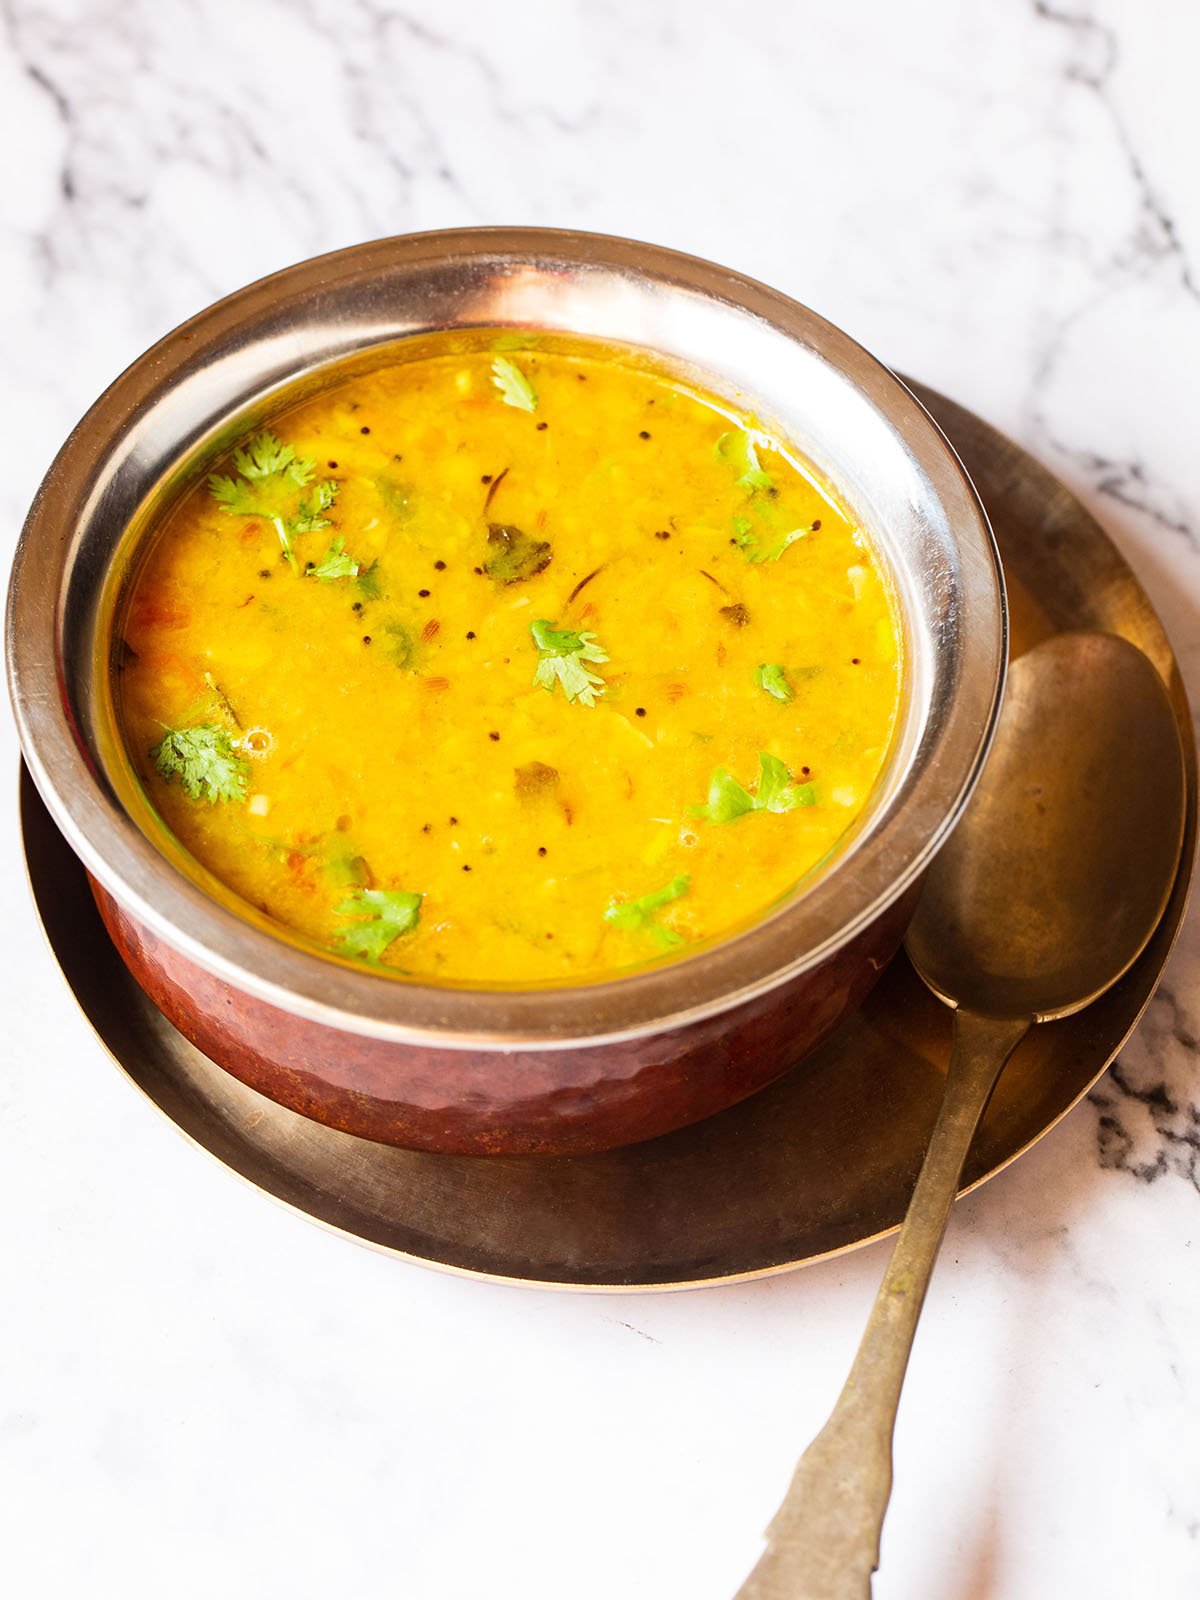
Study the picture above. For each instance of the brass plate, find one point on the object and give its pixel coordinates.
(819, 1163)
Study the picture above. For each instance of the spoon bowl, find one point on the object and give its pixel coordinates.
(1063, 862)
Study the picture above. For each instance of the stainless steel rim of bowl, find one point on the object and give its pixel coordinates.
(863, 431)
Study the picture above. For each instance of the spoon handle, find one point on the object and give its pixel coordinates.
(823, 1543)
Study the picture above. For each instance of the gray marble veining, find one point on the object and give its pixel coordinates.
(202, 1392)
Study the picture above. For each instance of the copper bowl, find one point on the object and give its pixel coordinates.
(482, 1069)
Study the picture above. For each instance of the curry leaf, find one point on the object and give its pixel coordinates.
(514, 556)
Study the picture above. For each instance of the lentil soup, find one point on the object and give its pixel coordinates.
(509, 665)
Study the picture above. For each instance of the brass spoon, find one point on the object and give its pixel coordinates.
(1046, 894)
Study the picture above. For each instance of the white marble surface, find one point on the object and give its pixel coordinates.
(202, 1394)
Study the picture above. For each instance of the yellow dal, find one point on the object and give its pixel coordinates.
(405, 776)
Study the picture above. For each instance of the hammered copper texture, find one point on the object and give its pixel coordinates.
(489, 1101)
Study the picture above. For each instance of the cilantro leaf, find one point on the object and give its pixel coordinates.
(772, 679)
(775, 790)
(335, 563)
(235, 494)
(737, 448)
(349, 872)
(268, 457)
(310, 516)
(269, 473)
(634, 916)
(562, 657)
(522, 339)
(368, 582)
(513, 556)
(387, 912)
(728, 799)
(205, 759)
(399, 644)
(397, 497)
(515, 388)
(748, 541)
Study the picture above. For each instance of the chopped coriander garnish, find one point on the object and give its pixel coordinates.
(737, 448)
(635, 916)
(514, 556)
(522, 340)
(367, 582)
(771, 678)
(728, 799)
(751, 546)
(400, 644)
(776, 791)
(388, 914)
(205, 759)
(310, 514)
(268, 474)
(397, 497)
(335, 563)
(264, 457)
(562, 654)
(515, 388)
(351, 872)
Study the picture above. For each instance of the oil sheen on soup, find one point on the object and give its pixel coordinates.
(509, 666)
